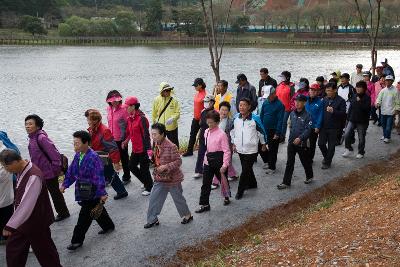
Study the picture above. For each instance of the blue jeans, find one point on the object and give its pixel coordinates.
(116, 183)
(284, 123)
(387, 125)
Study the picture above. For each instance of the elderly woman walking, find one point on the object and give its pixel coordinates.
(168, 178)
(216, 161)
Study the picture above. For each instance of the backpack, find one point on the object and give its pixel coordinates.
(63, 158)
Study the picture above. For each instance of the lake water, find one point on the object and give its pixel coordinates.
(60, 83)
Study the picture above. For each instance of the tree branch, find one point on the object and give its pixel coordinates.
(224, 34)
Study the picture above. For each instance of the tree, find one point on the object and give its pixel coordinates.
(154, 15)
(32, 25)
(125, 23)
(192, 21)
(215, 46)
(240, 23)
(373, 30)
(313, 18)
(346, 16)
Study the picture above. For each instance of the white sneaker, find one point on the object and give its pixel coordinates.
(145, 193)
(266, 166)
(359, 156)
(197, 175)
(234, 178)
(382, 138)
(142, 187)
(386, 140)
(214, 186)
(346, 153)
(269, 171)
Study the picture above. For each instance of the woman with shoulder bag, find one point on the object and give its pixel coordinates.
(216, 161)
(87, 172)
(168, 178)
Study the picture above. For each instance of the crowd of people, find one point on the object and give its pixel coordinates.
(249, 122)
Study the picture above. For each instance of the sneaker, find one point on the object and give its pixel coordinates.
(325, 166)
(382, 138)
(386, 140)
(346, 153)
(308, 180)
(197, 175)
(121, 196)
(214, 186)
(142, 187)
(266, 166)
(283, 186)
(233, 178)
(269, 171)
(360, 156)
(145, 193)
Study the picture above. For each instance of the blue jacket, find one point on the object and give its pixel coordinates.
(272, 115)
(7, 142)
(300, 126)
(315, 106)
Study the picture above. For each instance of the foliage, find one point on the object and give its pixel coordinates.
(240, 23)
(32, 25)
(154, 15)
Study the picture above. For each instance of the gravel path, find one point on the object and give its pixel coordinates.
(131, 245)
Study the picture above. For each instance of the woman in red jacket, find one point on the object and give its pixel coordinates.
(102, 141)
(138, 134)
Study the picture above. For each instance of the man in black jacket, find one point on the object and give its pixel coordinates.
(334, 113)
(246, 90)
(358, 116)
(300, 130)
(265, 80)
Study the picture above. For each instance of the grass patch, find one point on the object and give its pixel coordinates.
(183, 145)
(324, 204)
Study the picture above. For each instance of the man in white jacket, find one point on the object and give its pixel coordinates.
(6, 196)
(246, 134)
(389, 102)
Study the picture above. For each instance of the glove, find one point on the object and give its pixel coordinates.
(150, 153)
(169, 121)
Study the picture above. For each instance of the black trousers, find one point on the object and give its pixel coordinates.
(313, 144)
(194, 129)
(57, 197)
(328, 136)
(208, 175)
(173, 136)
(85, 220)
(247, 177)
(143, 171)
(42, 244)
(304, 156)
(5, 215)
(124, 160)
(272, 152)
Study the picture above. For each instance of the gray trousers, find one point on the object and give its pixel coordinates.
(159, 194)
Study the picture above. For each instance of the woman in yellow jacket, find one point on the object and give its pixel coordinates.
(166, 110)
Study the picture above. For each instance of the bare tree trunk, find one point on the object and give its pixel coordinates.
(214, 46)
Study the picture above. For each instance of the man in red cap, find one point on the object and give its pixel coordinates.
(138, 133)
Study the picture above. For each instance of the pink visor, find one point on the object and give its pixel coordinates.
(114, 99)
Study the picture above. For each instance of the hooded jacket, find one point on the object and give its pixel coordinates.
(138, 132)
(117, 121)
(102, 140)
(272, 115)
(44, 154)
(285, 93)
(173, 111)
(315, 106)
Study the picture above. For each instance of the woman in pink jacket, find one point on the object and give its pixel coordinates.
(216, 161)
(117, 117)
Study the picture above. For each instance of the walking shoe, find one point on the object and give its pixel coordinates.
(308, 180)
(186, 221)
(226, 201)
(233, 178)
(360, 156)
(269, 171)
(145, 193)
(214, 186)
(283, 186)
(74, 246)
(187, 154)
(382, 138)
(60, 218)
(197, 175)
(265, 166)
(149, 225)
(325, 166)
(346, 153)
(203, 209)
(239, 195)
(386, 140)
(142, 187)
(102, 232)
(125, 182)
(121, 196)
